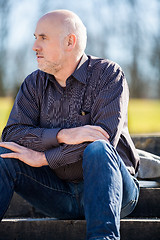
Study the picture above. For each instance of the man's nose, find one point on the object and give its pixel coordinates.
(36, 47)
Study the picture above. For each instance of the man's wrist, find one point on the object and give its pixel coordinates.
(44, 161)
(60, 136)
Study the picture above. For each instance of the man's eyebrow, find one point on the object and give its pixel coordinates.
(40, 35)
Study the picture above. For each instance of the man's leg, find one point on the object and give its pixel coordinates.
(106, 183)
(39, 186)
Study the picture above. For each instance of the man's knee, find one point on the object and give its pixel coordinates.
(96, 147)
(94, 151)
(99, 153)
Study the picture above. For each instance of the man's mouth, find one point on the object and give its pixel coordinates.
(39, 56)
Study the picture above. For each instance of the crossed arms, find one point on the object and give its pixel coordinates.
(73, 136)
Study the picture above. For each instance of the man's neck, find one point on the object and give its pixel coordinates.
(67, 70)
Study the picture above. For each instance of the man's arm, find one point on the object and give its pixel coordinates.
(87, 133)
(108, 114)
(23, 125)
(75, 136)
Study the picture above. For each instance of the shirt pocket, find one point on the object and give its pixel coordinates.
(84, 119)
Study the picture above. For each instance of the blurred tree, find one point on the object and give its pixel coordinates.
(4, 11)
(155, 54)
(135, 38)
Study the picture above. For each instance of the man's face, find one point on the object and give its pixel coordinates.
(48, 47)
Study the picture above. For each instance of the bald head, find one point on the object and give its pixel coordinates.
(68, 23)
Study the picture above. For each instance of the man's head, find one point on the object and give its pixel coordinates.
(60, 36)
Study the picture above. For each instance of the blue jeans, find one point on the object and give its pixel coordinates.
(107, 193)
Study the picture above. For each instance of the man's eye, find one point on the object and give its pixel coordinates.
(43, 38)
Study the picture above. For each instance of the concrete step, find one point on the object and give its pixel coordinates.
(50, 229)
(150, 143)
(149, 199)
(148, 204)
(20, 208)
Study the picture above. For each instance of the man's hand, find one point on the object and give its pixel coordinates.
(87, 133)
(28, 156)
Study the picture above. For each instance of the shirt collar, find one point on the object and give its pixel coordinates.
(81, 71)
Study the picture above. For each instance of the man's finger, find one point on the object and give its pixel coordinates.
(10, 145)
(9, 155)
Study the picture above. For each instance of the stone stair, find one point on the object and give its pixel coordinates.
(49, 229)
(23, 222)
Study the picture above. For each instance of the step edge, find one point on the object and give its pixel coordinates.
(74, 221)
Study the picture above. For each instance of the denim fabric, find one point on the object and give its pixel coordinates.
(110, 192)
(107, 193)
(40, 187)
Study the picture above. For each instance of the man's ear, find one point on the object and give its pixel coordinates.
(71, 40)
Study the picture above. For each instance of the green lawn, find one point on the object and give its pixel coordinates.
(5, 108)
(144, 115)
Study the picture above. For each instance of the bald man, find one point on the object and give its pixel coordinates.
(66, 147)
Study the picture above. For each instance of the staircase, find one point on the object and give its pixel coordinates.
(23, 222)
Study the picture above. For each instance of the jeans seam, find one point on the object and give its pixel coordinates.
(54, 189)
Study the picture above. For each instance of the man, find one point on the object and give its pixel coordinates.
(66, 147)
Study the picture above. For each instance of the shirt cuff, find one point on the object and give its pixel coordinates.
(54, 157)
(49, 137)
(64, 154)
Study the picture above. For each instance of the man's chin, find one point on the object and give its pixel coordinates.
(50, 70)
(44, 69)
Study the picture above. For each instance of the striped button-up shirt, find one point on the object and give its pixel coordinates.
(95, 94)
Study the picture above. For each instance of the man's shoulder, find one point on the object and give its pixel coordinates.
(105, 71)
(104, 63)
(36, 80)
(37, 74)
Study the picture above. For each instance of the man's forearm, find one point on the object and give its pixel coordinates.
(38, 139)
(71, 151)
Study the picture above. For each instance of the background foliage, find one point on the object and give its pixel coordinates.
(126, 31)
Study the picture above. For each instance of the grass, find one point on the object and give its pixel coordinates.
(5, 108)
(144, 115)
